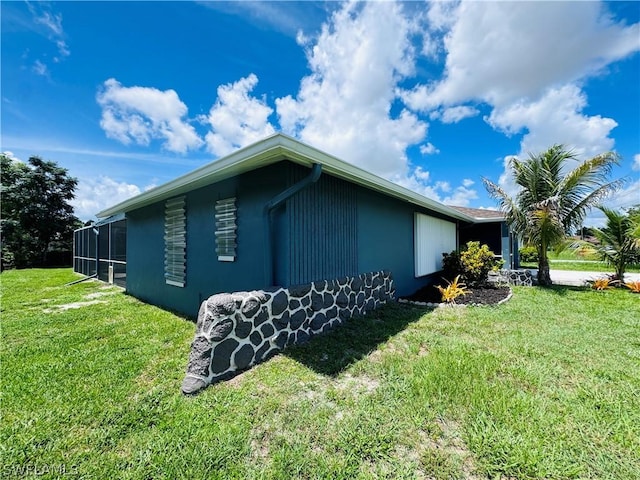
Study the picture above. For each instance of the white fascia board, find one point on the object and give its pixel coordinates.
(488, 220)
(272, 149)
(249, 158)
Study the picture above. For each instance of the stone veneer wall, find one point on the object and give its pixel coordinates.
(235, 331)
(513, 277)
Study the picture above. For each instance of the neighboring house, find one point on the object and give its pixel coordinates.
(280, 212)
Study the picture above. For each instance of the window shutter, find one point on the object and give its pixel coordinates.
(175, 242)
(226, 229)
(432, 238)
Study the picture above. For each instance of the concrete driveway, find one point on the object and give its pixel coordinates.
(567, 277)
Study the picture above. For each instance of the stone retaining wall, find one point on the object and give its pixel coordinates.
(513, 277)
(235, 331)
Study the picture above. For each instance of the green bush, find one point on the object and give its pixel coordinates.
(477, 261)
(473, 263)
(451, 265)
(529, 255)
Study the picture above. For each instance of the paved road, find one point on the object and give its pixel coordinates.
(567, 277)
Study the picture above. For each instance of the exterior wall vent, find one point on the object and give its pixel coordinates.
(226, 229)
(175, 242)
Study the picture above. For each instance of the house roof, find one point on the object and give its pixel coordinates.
(271, 150)
(481, 214)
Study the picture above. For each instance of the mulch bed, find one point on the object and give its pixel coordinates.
(487, 295)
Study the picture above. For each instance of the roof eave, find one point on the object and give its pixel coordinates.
(242, 160)
(270, 150)
(488, 219)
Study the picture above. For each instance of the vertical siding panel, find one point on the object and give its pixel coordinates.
(322, 229)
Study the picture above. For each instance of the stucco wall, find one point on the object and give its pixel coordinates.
(205, 275)
(235, 331)
(331, 229)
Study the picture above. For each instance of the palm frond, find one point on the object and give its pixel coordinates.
(514, 216)
(575, 215)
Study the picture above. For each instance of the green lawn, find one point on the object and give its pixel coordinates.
(544, 386)
(571, 259)
(581, 266)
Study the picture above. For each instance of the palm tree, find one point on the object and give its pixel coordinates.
(553, 200)
(634, 217)
(618, 246)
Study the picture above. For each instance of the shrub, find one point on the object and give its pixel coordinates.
(602, 284)
(528, 255)
(633, 286)
(477, 261)
(453, 290)
(451, 265)
(472, 264)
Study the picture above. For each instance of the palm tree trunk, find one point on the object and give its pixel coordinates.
(544, 278)
(620, 268)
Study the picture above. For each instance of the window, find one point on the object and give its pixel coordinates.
(175, 242)
(226, 229)
(432, 238)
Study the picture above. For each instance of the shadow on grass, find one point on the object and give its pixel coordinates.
(331, 353)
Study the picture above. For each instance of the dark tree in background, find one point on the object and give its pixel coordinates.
(36, 216)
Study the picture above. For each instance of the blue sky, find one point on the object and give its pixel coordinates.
(433, 96)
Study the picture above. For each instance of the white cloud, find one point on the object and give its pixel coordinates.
(525, 60)
(430, 47)
(344, 105)
(455, 114)
(40, 68)
(636, 162)
(63, 49)
(140, 114)
(11, 156)
(625, 197)
(289, 18)
(429, 149)
(237, 119)
(461, 197)
(556, 118)
(501, 52)
(442, 15)
(621, 200)
(443, 186)
(441, 191)
(417, 181)
(96, 194)
(52, 23)
(421, 174)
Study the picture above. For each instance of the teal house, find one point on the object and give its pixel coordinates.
(280, 213)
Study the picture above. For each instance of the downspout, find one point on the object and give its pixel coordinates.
(269, 208)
